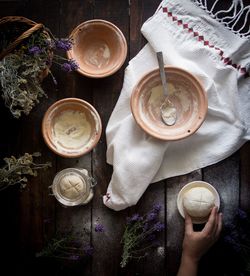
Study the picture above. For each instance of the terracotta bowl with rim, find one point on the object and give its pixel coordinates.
(189, 186)
(185, 92)
(87, 125)
(99, 47)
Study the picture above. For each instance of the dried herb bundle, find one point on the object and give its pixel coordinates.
(66, 247)
(16, 170)
(140, 235)
(22, 71)
(20, 83)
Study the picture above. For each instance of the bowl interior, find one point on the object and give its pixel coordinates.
(88, 120)
(185, 92)
(99, 48)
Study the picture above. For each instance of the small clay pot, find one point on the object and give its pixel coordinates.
(185, 92)
(99, 48)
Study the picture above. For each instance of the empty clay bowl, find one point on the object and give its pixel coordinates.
(71, 127)
(99, 48)
(188, 187)
(185, 92)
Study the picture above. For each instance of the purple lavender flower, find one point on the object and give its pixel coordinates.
(74, 65)
(151, 216)
(159, 226)
(99, 228)
(230, 226)
(74, 257)
(134, 218)
(230, 241)
(157, 207)
(242, 215)
(35, 50)
(54, 80)
(63, 44)
(89, 250)
(145, 227)
(47, 220)
(69, 66)
(66, 67)
(151, 237)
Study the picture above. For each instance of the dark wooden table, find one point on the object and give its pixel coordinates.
(31, 217)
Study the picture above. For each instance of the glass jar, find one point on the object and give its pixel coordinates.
(72, 187)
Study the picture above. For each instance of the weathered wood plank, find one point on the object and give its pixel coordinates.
(153, 263)
(74, 220)
(33, 218)
(107, 245)
(224, 176)
(175, 223)
(13, 8)
(10, 144)
(140, 11)
(245, 177)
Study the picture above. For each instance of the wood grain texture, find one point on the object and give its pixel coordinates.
(175, 223)
(245, 177)
(78, 222)
(106, 258)
(32, 217)
(154, 263)
(224, 176)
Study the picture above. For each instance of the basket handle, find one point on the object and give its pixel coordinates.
(23, 36)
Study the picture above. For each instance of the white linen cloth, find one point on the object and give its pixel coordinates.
(139, 159)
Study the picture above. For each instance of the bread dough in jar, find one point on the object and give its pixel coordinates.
(72, 186)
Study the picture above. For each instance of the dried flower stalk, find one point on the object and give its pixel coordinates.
(16, 170)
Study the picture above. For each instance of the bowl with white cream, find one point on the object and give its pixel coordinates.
(186, 94)
(99, 48)
(71, 127)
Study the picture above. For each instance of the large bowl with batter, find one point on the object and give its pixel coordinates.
(185, 92)
(99, 47)
(71, 127)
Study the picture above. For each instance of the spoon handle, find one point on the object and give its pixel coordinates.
(162, 73)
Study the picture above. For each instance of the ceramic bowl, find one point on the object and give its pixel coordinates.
(185, 92)
(77, 121)
(189, 186)
(99, 47)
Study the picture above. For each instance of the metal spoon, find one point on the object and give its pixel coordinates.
(168, 110)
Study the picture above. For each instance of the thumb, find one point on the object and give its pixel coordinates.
(188, 223)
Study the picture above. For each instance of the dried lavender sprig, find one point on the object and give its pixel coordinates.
(16, 170)
(139, 229)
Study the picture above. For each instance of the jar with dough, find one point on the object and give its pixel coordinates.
(73, 187)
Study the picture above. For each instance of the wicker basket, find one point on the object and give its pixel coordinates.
(33, 26)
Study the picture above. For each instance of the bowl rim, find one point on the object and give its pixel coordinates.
(194, 184)
(45, 131)
(149, 75)
(123, 42)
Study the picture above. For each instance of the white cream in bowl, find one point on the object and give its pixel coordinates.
(71, 129)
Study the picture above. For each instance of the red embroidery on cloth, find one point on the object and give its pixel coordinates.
(108, 197)
(226, 60)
